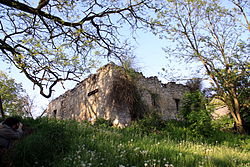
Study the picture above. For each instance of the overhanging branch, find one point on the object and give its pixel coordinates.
(34, 11)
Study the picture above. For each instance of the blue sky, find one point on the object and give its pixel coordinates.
(150, 59)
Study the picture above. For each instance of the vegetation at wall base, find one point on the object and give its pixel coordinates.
(67, 143)
(196, 115)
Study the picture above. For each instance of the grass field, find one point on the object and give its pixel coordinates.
(68, 143)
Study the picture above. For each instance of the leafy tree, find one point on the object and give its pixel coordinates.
(205, 31)
(12, 100)
(60, 40)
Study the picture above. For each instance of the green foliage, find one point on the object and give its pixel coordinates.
(193, 101)
(197, 29)
(103, 122)
(246, 118)
(80, 33)
(225, 123)
(200, 123)
(129, 70)
(194, 112)
(245, 100)
(150, 123)
(48, 142)
(67, 143)
(12, 95)
(138, 108)
(124, 90)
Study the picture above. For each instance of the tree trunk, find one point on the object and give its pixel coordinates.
(240, 127)
(234, 108)
(1, 107)
(239, 123)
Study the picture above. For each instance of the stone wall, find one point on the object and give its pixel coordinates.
(107, 93)
(164, 98)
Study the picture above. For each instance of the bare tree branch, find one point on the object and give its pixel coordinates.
(62, 40)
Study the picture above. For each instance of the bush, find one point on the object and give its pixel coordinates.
(50, 140)
(193, 101)
(200, 123)
(103, 122)
(194, 113)
(151, 123)
(225, 123)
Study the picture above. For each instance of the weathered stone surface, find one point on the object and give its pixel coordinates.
(109, 94)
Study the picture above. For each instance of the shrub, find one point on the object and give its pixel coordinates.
(199, 123)
(193, 101)
(225, 123)
(103, 122)
(151, 123)
(195, 114)
(49, 141)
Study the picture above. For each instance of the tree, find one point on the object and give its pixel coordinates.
(194, 84)
(210, 33)
(242, 6)
(11, 96)
(27, 105)
(61, 40)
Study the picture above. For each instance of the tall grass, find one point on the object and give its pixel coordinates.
(167, 144)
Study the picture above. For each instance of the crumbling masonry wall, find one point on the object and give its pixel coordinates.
(166, 99)
(95, 97)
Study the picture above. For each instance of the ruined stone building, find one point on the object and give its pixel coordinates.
(118, 95)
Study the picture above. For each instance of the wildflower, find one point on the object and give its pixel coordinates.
(168, 165)
(145, 164)
(121, 166)
(137, 148)
(144, 152)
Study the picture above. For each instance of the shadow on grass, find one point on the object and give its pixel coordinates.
(119, 147)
